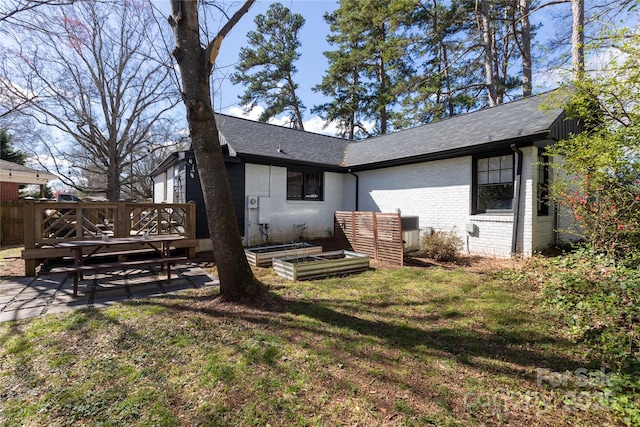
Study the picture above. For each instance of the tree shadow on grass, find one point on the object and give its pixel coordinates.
(456, 340)
(490, 351)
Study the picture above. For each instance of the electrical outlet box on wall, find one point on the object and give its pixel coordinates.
(264, 210)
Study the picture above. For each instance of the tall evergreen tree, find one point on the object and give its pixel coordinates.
(446, 83)
(267, 67)
(7, 152)
(367, 65)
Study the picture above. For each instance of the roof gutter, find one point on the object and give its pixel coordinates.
(457, 152)
(516, 199)
(357, 187)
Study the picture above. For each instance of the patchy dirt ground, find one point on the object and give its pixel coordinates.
(11, 265)
(472, 263)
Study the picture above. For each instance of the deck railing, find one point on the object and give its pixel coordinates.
(48, 223)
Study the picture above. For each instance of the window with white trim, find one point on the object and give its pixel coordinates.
(493, 184)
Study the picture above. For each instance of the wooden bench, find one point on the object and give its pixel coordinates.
(77, 270)
(120, 254)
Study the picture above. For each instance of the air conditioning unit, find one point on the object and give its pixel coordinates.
(411, 240)
(252, 202)
(410, 223)
(410, 232)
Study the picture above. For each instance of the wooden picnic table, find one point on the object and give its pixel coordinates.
(80, 259)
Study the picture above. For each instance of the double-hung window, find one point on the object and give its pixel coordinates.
(493, 184)
(304, 185)
(543, 185)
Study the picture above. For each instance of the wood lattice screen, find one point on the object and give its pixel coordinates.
(376, 234)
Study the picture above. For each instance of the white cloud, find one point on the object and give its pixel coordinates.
(313, 124)
(316, 125)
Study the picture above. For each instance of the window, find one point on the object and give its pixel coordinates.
(493, 184)
(543, 185)
(302, 185)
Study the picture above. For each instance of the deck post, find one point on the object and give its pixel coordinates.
(30, 228)
(191, 232)
(123, 228)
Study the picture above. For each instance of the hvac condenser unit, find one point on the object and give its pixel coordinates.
(410, 232)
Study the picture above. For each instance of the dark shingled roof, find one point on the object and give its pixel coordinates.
(518, 120)
(248, 138)
(523, 122)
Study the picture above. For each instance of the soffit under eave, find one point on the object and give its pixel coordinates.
(26, 178)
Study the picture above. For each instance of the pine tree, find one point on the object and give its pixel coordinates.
(267, 67)
(7, 152)
(366, 66)
(447, 81)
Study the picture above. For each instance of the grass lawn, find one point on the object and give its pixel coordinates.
(409, 346)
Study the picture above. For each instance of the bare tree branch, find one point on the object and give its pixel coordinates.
(90, 71)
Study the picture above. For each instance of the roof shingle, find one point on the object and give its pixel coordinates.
(524, 120)
(517, 119)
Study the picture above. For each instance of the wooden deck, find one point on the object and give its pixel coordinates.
(47, 224)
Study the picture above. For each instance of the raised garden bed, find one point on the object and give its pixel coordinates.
(262, 256)
(320, 265)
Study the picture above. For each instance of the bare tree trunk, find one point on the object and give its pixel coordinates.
(487, 37)
(297, 113)
(237, 281)
(382, 80)
(383, 92)
(577, 38)
(525, 48)
(353, 106)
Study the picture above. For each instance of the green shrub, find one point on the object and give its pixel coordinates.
(442, 245)
(598, 299)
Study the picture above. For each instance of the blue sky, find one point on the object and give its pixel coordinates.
(311, 66)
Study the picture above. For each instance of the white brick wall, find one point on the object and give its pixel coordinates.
(439, 192)
(288, 217)
(543, 227)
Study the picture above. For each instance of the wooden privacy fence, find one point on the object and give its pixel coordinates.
(376, 234)
(49, 223)
(11, 222)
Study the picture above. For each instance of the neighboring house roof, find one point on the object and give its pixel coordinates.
(522, 122)
(13, 172)
(250, 139)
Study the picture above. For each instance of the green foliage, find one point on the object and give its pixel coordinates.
(7, 152)
(442, 245)
(597, 298)
(267, 67)
(48, 192)
(367, 66)
(601, 167)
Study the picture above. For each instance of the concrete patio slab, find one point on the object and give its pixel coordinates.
(27, 297)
